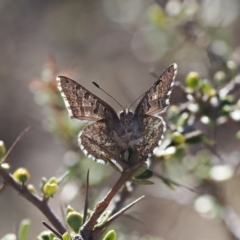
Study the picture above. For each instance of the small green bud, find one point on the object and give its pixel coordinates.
(2, 149)
(69, 209)
(177, 138)
(75, 221)
(207, 89)
(53, 180)
(21, 175)
(50, 189)
(192, 80)
(111, 235)
(46, 235)
(156, 14)
(66, 236)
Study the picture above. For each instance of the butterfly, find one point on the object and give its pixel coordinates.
(108, 134)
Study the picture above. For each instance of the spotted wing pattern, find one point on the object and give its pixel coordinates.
(97, 142)
(156, 99)
(81, 103)
(108, 135)
(152, 134)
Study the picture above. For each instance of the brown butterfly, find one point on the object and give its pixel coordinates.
(110, 133)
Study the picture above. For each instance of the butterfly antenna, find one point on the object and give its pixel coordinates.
(145, 92)
(96, 85)
(136, 99)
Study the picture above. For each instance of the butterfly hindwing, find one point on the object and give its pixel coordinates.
(81, 103)
(97, 142)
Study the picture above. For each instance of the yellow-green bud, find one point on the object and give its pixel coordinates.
(178, 138)
(50, 189)
(46, 235)
(69, 209)
(208, 89)
(192, 80)
(21, 175)
(75, 221)
(111, 235)
(53, 180)
(66, 236)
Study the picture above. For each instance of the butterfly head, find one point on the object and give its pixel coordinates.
(126, 116)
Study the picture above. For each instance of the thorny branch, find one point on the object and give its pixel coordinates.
(101, 206)
(36, 201)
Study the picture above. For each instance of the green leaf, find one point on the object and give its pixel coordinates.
(23, 230)
(111, 235)
(46, 235)
(141, 169)
(75, 221)
(145, 175)
(142, 181)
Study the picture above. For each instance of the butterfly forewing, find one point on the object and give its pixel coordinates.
(81, 103)
(156, 99)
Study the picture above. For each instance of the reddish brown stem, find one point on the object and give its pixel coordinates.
(35, 200)
(100, 207)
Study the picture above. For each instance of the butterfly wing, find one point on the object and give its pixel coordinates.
(156, 99)
(152, 134)
(97, 142)
(81, 103)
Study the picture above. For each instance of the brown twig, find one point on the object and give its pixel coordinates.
(86, 230)
(86, 199)
(123, 195)
(6, 157)
(52, 230)
(35, 200)
(116, 215)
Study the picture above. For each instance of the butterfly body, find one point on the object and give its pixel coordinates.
(110, 133)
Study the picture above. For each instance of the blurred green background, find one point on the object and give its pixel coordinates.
(114, 43)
